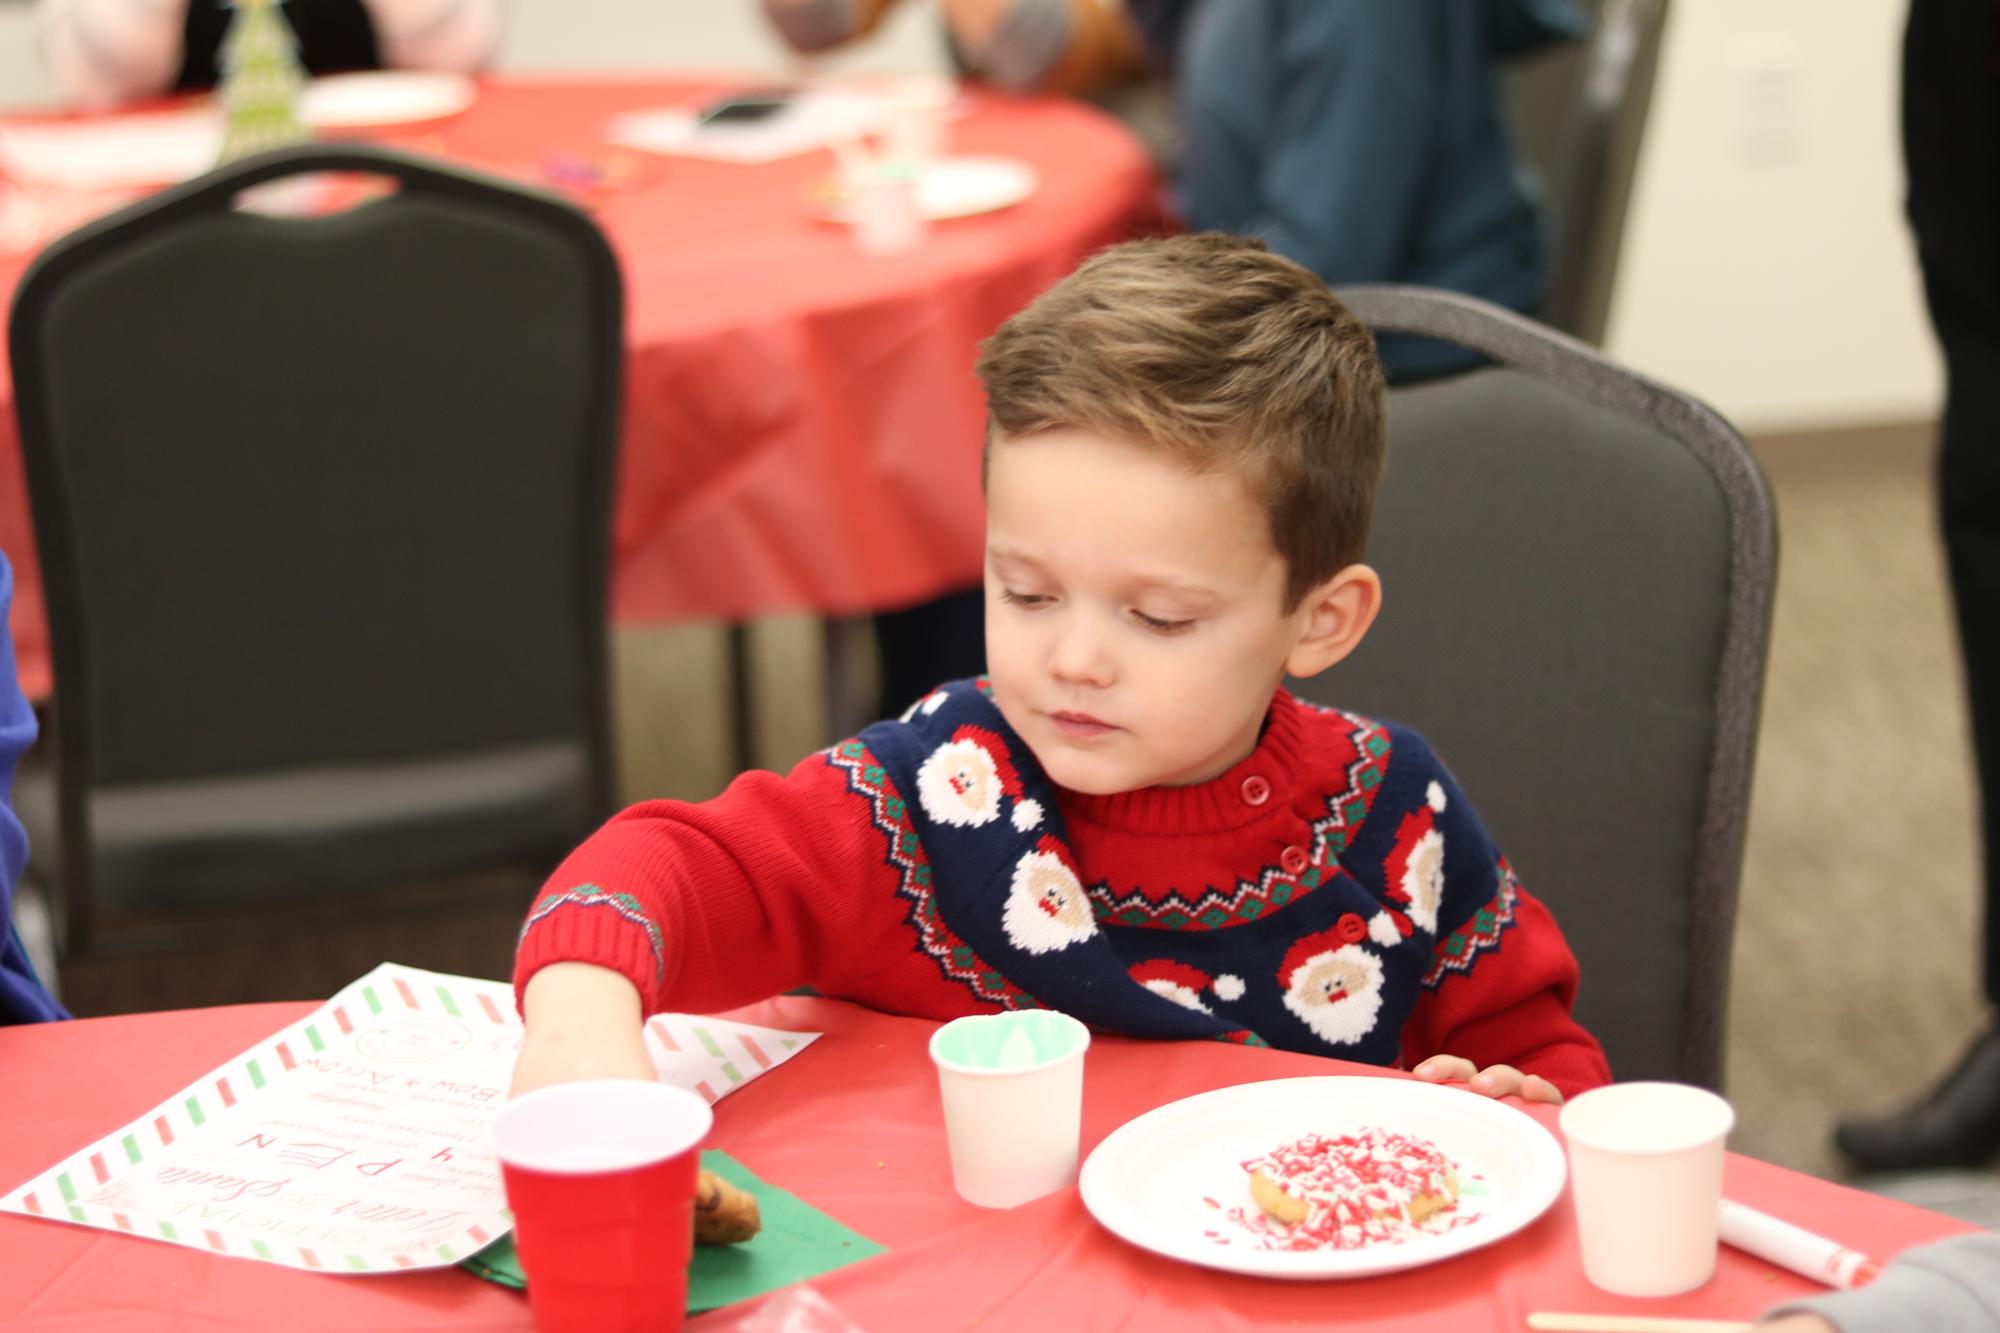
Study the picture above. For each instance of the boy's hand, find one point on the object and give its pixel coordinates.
(1493, 1081)
(583, 1022)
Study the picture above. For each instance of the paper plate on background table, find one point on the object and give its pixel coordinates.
(385, 97)
(1167, 1181)
(112, 152)
(949, 187)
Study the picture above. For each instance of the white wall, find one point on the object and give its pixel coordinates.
(23, 82)
(699, 35)
(1766, 264)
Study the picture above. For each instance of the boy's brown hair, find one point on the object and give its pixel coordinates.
(1215, 351)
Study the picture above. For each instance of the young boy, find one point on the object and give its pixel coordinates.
(1129, 820)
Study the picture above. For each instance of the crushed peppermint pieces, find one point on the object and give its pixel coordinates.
(1373, 1187)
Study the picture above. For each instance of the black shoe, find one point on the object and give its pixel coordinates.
(1957, 1125)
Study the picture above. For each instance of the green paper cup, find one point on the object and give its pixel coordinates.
(1012, 1086)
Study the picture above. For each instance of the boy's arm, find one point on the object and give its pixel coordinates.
(1502, 980)
(1511, 1004)
(583, 1022)
(697, 907)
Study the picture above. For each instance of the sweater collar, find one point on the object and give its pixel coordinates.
(1220, 804)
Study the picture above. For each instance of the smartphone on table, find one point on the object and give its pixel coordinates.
(744, 108)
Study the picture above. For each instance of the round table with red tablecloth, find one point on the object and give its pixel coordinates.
(801, 422)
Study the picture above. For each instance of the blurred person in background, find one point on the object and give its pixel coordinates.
(1947, 1286)
(1366, 141)
(1084, 48)
(1951, 149)
(22, 999)
(103, 52)
(1063, 46)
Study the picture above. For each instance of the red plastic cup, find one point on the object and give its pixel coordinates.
(601, 1178)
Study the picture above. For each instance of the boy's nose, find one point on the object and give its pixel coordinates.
(1079, 655)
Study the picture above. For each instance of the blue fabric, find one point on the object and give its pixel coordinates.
(1364, 139)
(22, 998)
(978, 855)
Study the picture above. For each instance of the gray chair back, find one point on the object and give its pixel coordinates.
(1578, 566)
(1578, 113)
(320, 501)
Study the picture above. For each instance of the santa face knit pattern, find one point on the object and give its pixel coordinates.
(1333, 893)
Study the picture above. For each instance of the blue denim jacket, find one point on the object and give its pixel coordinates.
(1365, 139)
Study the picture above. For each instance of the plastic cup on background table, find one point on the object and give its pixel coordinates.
(919, 120)
(1645, 1169)
(600, 1177)
(884, 208)
(1012, 1086)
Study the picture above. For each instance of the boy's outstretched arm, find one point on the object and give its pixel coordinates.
(696, 907)
(583, 1022)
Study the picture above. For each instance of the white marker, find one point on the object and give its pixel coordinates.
(1794, 1247)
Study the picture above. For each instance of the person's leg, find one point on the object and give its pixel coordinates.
(1951, 146)
(923, 646)
(1969, 482)
(1958, 1122)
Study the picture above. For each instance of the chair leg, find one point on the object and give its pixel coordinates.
(851, 676)
(38, 936)
(742, 731)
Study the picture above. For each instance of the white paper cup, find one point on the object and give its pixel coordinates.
(884, 210)
(1013, 1103)
(1645, 1169)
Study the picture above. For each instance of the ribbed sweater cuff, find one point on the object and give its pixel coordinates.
(1570, 1068)
(608, 930)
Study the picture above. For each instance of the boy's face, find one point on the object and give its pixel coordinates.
(1134, 611)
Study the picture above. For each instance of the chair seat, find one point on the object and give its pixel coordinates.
(315, 831)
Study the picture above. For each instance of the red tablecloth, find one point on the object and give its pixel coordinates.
(853, 1126)
(800, 420)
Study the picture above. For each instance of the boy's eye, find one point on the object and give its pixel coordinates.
(1159, 626)
(1028, 599)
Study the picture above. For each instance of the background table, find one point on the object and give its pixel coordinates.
(853, 1126)
(800, 420)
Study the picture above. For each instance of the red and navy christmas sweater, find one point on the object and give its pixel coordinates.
(1334, 893)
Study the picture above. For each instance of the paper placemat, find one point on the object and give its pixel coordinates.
(797, 1242)
(356, 1140)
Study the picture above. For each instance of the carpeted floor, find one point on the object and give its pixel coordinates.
(1855, 980)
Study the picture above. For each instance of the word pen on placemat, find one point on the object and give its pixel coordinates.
(1793, 1247)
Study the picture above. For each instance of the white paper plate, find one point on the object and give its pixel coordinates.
(385, 97)
(960, 187)
(1150, 1180)
(953, 187)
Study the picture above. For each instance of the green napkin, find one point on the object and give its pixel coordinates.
(798, 1242)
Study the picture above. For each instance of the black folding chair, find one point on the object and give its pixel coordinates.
(323, 509)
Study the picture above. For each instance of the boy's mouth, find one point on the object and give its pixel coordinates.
(1081, 725)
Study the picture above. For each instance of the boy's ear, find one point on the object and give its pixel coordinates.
(1337, 614)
